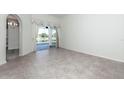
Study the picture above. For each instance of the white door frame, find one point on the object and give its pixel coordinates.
(35, 28)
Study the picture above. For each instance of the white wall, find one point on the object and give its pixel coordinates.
(13, 38)
(26, 35)
(100, 35)
(46, 19)
(2, 39)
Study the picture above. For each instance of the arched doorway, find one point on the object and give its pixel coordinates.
(13, 36)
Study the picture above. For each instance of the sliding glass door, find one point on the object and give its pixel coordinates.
(54, 39)
(42, 39)
(46, 38)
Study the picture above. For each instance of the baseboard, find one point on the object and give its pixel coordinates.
(108, 58)
(3, 62)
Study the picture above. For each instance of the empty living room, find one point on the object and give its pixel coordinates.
(62, 46)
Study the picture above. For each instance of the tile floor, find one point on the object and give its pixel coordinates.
(12, 54)
(61, 64)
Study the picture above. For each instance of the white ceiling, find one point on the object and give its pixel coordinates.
(58, 15)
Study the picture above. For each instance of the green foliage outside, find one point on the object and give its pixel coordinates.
(42, 38)
(45, 38)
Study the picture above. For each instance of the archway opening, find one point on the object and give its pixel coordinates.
(12, 36)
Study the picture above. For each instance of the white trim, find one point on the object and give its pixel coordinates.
(3, 62)
(108, 58)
